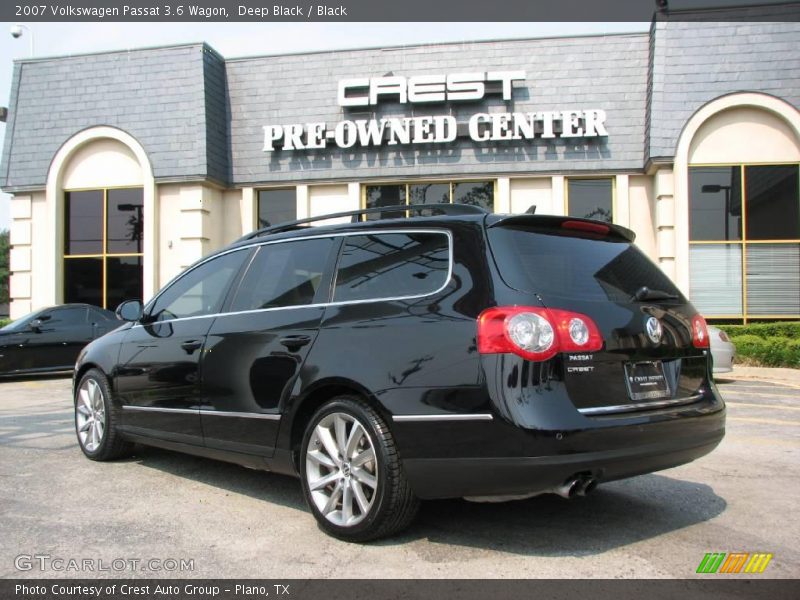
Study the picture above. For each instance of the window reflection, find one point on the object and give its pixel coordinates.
(475, 193)
(84, 222)
(591, 198)
(715, 203)
(103, 246)
(125, 224)
(773, 209)
(276, 206)
(391, 265)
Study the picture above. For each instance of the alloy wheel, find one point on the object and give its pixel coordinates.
(90, 415)
(341, 469)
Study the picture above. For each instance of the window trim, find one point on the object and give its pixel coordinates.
(342, 234)
(743, 242)
(225, 298)
(324, 289)
(335, 274)
(104, 255)
(611, 178)
(277, 188)
(407, 183)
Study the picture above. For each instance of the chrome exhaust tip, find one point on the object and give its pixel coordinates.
(587, 486)
(569, 489)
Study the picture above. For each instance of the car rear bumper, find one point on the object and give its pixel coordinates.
(723, 358)
(603, 454)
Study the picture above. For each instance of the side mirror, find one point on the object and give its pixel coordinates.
(36, 325)
(130, 310)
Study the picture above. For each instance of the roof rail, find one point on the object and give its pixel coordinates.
(435, 209)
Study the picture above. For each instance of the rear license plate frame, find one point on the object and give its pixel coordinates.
(646, 380)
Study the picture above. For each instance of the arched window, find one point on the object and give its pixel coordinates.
(103, 224)
(744, 216)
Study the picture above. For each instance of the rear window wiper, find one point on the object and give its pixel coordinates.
(645, 293)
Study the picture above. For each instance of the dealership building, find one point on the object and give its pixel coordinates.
(126, 167)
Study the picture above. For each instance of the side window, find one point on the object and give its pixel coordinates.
(285, 274)
(98, 315)
(65, 317)
(201, 291)
(390, 265)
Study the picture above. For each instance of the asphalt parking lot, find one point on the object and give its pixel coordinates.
(234, 522)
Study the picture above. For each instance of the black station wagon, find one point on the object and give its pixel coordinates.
(425, 352)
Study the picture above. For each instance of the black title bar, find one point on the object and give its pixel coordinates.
(709, 588)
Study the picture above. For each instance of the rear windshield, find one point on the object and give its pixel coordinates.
(552, 263)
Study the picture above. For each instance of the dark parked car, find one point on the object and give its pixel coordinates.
(451, 354)
(49, 340)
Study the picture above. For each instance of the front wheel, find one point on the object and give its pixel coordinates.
(96, 419)
(351, 473)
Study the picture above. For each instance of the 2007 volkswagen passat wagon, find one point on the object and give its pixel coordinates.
(451, 354)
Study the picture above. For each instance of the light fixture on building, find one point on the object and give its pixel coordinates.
(16, 33)
(3, 114)
(662, 6)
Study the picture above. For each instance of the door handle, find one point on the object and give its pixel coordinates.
(191, 345)
(295, 342)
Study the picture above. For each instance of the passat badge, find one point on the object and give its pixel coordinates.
(653, 328)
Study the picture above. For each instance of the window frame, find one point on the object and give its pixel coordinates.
(175, 280)
(743, 242)
(407, 183)
(47, 316)
(105, 254)
(278, 188)
(611, 178)
(323, 292)
(335, 272)
(328, 278)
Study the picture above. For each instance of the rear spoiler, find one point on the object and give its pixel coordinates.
(589, 226)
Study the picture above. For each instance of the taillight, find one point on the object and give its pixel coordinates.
(536, 333)
(699, 332)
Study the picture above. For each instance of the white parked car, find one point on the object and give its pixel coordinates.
(722, 350)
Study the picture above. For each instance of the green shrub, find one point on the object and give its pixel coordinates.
(768, 352)
(787, 329)
(767, 344)
(4, 322)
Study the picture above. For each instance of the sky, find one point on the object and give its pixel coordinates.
(249, 39)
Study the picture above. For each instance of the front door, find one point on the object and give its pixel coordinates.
(255, 350)
(158, 378)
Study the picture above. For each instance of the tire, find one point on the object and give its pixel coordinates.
(96, 419)
(380, 499)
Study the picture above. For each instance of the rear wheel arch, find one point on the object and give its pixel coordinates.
(322, 393)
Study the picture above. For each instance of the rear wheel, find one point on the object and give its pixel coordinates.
(96, 419)
(351, 473)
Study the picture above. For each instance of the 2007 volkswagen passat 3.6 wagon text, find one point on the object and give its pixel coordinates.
(415, 352)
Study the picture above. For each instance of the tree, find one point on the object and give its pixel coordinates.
(4, 250)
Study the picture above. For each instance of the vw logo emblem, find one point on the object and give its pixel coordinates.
(653, 328)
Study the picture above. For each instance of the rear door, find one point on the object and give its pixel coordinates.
(257, 347)
(648, 354)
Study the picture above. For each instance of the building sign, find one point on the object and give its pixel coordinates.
(433, 129)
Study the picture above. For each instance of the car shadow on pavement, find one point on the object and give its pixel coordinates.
(617, 514)
(262, 485)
